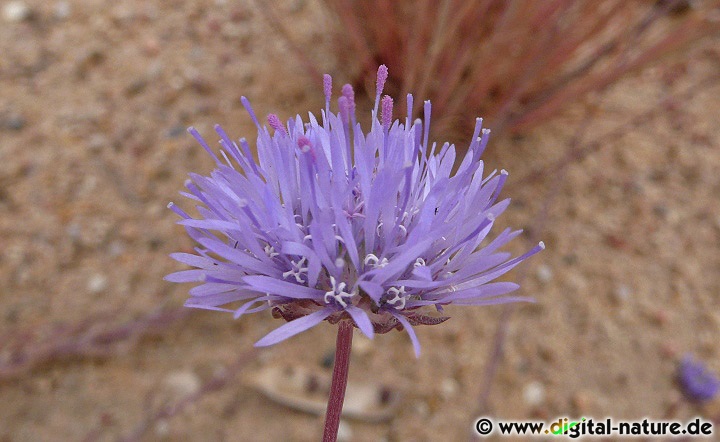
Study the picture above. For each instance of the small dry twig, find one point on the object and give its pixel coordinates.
(165, 412)
(22, 351)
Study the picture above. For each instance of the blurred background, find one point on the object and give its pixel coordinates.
(605, 114)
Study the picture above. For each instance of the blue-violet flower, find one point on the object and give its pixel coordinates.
(697, 382)
(334, 224)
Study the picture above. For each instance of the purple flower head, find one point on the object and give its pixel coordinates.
(332, 223)
(698, 384)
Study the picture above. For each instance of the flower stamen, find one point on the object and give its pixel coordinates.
(298, 269)
(338, 293)
(398, 297)
(375, 262)
(270, 251)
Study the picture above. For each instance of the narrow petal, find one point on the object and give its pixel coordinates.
(410, 331)
(375, 291)
(189, 303)
(211, 289)
(398, 263)
(494, 301)
(239, 257)
(361, 320)
(266, 284)
(294, 327)
(218, 299)
(192, 260)
(246, 307)
(484, 291)
(197, 275)
(422, 272)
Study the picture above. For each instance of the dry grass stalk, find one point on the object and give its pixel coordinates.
(515, 62)
(96, 337)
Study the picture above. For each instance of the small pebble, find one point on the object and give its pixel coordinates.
(43, 385)
(93, 233)
(13, 122)
(660, 211)
(449, 388)
(116, 248)
(183, 383)
(176, 131)
(669, 350)
(570, 259)
(328, 359)
(621, 293)
(582, 401)
(16, 11)
(213, 25)
(162, 428)
(534, 394)
(576, 282)
(73, 231)
(96, 142)
(659, 317)
(62, 10)
(345, 433)
(97, 283)
(422, 408)
(297, 6)
(240, 14)
(136, 86)
(544, 273)
(546, 353)
(88, 60)
(361, 345)
(231, 30)
(151, 47)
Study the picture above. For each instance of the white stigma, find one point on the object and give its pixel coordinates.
(338, 293)
(398, 297)
(374, 261)
(298, 269)
(270, 251)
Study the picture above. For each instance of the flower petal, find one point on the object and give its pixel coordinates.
(361, 320)
(410, 331)
(197, 275)
(266, 284)
(294, 327)
(375, 291)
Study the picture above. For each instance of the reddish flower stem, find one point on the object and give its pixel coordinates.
(339, 381)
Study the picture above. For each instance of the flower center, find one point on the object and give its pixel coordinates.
(374, 261)
(270, 251)
(298, 269)
(338, 293)
(395, 296)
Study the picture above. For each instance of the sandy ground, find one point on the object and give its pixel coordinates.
(94, 100)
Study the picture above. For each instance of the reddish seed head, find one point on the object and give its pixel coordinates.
(327, 86)
(344, 109)
(386, 111)
(275, 123)
(349, 93)
(304, 144)
(347, 103)
(382, 76)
